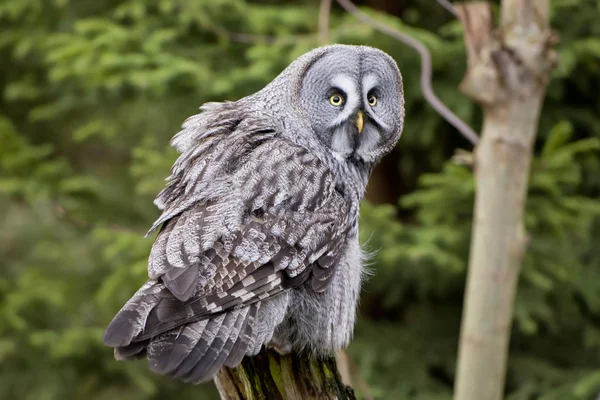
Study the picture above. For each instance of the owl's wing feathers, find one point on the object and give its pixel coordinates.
(244, 218)
(275, 204)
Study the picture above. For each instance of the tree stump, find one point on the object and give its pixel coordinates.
(272, 376)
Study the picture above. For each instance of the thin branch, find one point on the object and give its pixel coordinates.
(428, 93)
(324, 12)
(448, 6)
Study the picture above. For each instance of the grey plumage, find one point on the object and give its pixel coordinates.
(258, 234)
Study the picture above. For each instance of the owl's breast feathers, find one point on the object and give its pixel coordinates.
(246, 216)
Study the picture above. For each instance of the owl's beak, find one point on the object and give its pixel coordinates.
(359, 121)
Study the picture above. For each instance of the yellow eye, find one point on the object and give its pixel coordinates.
(372, 100)
(336, 100)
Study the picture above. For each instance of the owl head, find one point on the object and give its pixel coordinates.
(352, 99)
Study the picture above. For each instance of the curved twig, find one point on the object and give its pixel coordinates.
(448, 6)
(428, 92)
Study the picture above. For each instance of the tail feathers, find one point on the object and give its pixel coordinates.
(270, 314)
(131, 352)
(194, 353)
(183, 346)
(176, 353)
(216, 348)
(151, 312)
(176, 343)
(240, 347)
(234, 337)
(130, 321)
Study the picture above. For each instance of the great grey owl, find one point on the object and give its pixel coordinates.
(258, 240)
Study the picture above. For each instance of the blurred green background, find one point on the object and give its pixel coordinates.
(91, 93)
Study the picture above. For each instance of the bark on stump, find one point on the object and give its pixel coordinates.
(272, 376)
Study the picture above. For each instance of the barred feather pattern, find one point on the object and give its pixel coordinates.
(257, 240)
(247, 217)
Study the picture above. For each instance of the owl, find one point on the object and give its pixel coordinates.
(258, 238)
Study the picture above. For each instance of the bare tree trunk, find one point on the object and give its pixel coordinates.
(508, 70)
(272, 376)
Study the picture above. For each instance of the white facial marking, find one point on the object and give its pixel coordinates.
(348, 85)
(368, 83)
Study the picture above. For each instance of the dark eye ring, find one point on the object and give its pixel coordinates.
(336, 100)
(372, 100)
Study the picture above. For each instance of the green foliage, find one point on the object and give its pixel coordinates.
(424, 262)
(91, 93)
